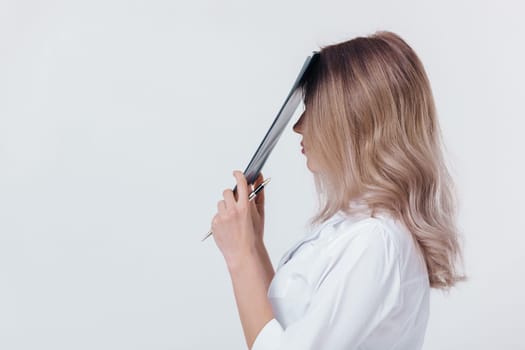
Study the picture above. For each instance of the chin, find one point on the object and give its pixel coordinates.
(309, 166)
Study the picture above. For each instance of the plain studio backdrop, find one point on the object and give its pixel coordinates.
(121, 123)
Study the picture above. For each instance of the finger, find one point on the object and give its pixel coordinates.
(221, 206)
(260, 195)
(242, 188)
(259, 200)
(215, 221)
(229, 198)
(259, 180)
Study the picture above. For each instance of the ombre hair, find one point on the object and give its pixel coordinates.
(371, 126)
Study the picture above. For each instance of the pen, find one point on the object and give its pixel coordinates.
(250, 197)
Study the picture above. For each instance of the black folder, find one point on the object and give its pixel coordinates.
(279, 124)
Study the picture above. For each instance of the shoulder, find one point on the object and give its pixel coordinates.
(363, 250)
(385, 238)
(378, 233)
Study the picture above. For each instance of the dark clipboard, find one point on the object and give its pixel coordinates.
(279, 124)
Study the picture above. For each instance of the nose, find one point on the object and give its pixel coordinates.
(298, 126)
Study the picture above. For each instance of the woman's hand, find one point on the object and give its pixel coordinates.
(239, 224)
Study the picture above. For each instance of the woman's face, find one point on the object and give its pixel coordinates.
(298, 128)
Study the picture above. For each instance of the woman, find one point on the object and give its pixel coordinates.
(385, 232)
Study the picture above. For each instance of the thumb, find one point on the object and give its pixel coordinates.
(259, 198)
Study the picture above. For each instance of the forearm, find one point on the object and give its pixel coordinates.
(266, 263)
(251, 278)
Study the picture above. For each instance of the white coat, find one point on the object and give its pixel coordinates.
(354, 283)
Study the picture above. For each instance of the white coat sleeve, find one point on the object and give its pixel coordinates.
(359, 287)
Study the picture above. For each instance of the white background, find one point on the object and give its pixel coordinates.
(121, 123)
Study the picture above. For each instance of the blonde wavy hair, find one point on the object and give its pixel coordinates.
(370, 114)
